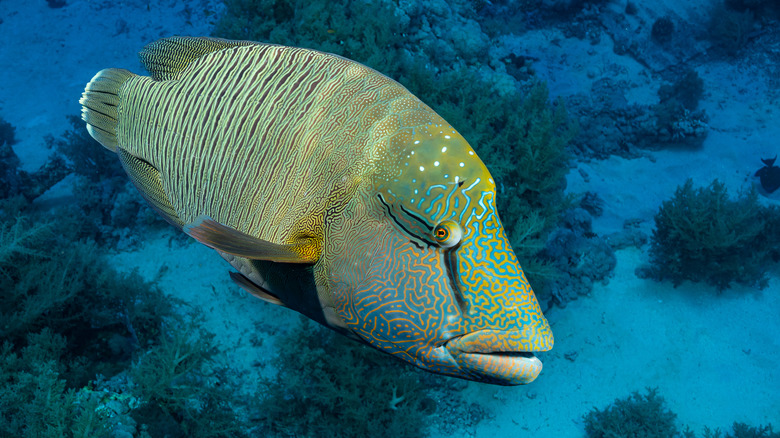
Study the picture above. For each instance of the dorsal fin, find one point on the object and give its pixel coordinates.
(167, 57)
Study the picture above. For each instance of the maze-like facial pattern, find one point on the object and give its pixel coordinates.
(419, 293)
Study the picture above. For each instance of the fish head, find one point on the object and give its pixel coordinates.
(443, 288)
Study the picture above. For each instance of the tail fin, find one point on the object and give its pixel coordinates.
(99, 104)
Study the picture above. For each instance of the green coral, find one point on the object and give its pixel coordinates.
(350, 28)
(35, 400)
(702, 235)
(182, 388)
(730, 29)
(677, 119)
(328, 385)
(638, 415)
(68, 317)
(741, 430)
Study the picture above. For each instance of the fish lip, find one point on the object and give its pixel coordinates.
(490, 341)
(503, 357)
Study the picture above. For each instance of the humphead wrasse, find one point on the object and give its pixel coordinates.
(333, 191)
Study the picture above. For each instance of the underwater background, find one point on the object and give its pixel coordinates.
(632, 146)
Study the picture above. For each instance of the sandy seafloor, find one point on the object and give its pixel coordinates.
(715, 358)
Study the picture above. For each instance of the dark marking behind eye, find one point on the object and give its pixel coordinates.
(451, 265)
(414, 216)
(392, 216)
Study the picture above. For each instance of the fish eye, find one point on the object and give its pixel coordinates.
(447, 234)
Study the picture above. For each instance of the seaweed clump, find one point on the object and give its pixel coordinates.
(677, 117)
(647, 416)
(326, 382)
(638, 415)
(346, 27)
(107, 205)
(730, 29)
(69, 319)
(740, 430)
(703, 236)
(662, 30)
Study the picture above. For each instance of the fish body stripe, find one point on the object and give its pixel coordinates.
(260, 136)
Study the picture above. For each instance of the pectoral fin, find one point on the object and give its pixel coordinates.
(148, 181)
(226, 239)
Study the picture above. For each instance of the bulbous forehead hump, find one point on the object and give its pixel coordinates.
(434, 154)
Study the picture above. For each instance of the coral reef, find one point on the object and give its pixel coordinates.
(729, 29)
(662, 30)
(328, 384)
(105, 201)
(677, 120)
(702, 235)
(740, 430)
(17, 182)
(7, 133)
(581, 257)
(686, 91)
(68, 317)
(638, 415)
(647, 416)
(181, 388)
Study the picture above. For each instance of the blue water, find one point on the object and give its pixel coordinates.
(712, 354)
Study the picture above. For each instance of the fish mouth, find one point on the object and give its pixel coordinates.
(500, 357)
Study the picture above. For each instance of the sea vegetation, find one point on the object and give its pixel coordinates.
(327, 384)
(582, 257)
(106, 202)
(702, 235)
(677, 119)
(346, 27)
(638, 415)
(69, 318)
(730, 27)
(18, 183)
(647, 416)
(7, 133)
(739, 430)
(519, 133)
(87, 351)
(662, 30)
